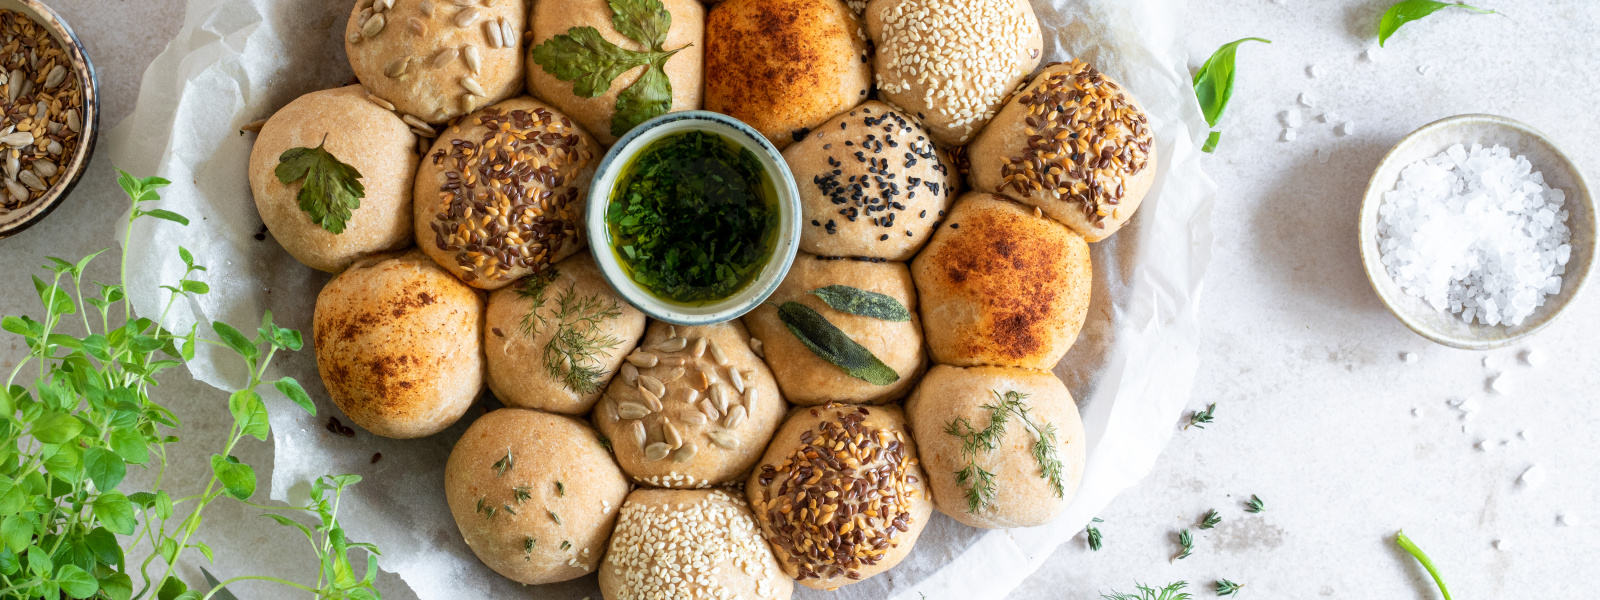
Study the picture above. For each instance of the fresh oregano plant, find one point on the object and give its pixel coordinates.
(79, 410)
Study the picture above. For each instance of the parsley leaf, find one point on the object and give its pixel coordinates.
(647, 98)
(332, 189)
(585, 58)
(643, 21)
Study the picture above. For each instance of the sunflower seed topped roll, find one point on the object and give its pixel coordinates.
(435, 60)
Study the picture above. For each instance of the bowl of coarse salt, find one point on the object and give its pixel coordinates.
(1477, 231)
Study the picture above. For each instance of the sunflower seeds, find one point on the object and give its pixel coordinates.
(736, 379)
(757, 347)
(463, 2)
(32, 180)
(20, 139)
(719, 396)
(674, 361)
(699, 347)
(610, 409)
(724, 439)
(54, 148)
(693, 417)
(655, 386)
(672, 331)
(750, 398)
(373, 27)
(44, 167)
(15, 87)
(656, 451)
(385, 104)
(417, 26)
(673, 375)
(699, 380)
(472, 86)
(629, 410)
(466, 17)
(684, 454)
(18, 191)
(508, 34)
(735, 417)
(670, 434)
(643, 360)
(474, 62)
(638, 433)
(398, 67)
(710, 409)
(630, 374)
(691, 395)
(56, 76)
(672, 345)
(415, 122)
(426, 7)
(652, 401)
(353, 37)
(717, 354)
(12, 166)
(495, 36)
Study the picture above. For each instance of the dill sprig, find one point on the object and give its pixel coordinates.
(980, 482)
(533, 288)
(1094, 535)
(570, 353)
(1210, 520)
(1199, 418)
(1255, 505)
(1227, 588)
(1185, 545)
(1171, 592)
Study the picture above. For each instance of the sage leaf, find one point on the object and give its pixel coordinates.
(857, 301)
(832, 345)
(331, 191)
(1412, 10)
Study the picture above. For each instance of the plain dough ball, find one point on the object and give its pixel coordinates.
(399, 344)
(1002, 286)
(1117, 155)
(871, 184)
(684, 69)
(421, 59)
(785, 66)
(1024, 496)
(706, 545)
(359, 133)
(877, 454)
(703, 431)
(519, 363)
(535, 495)
(808, 380)
(534, 222)
(951, 63)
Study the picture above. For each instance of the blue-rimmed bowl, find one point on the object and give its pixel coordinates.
(788, 234)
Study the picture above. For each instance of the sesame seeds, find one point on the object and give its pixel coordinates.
(878, 166)
(41, 111)
(507, 204)
(1085, 138)
(837, 503)
(963, 55)
(688, 551)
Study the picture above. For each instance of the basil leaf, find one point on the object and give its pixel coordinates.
(1211, 142)
(832, 345)
(647, 98)
(332, 189)
(587, 60)
(643, 21)
(1411, 10)
(1213, 83)
(857, 301)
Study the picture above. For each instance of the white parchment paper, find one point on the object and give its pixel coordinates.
(236, 61)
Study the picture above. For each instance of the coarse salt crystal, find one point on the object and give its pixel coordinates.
(1524, 435)
(1531, 477)
(1323, 155)
(1348, 128)
(1328, 117)
(1423, 69)
(1289, 134)
(1313, 71)
(1485, 446)
(1567, 520)
(1502, 545)
(1475, 232)
(1307, 101)
(1500, 383)
(1371, 54)
(1531, 358)
(1409, 357)
(1291, 118)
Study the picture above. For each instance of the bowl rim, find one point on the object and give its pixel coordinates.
(1573, 281)
(83, 70)
(783, 255)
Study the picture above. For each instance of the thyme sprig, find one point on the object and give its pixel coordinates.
(1200, 418)
(1211, 519)
(1185, 545)
(1227, 588)
(1093, 534)
(1255, 505)
(979, 481)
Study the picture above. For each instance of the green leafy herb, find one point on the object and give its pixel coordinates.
(1255, 505)
(1213, 85)
(1173, 591)
(81, 406)
(832, 345)
(1412, 10)
(571, 354)
(561, 489)
(527, 547)
(1210, 520)
(1185, 545)
(1227, 588)
(554, 517)
(566, 545)
(980, 482)
(1093, 534)
(591, 63)
(692, 217)
(331, 191)
(522, 494)
(605, 442)
(533, 288)
(504, 464)
(857, 301)
(1200, 418)
(1411, 548)
(508, 509)
(1211, 142)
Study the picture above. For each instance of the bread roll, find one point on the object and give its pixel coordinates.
(399, 344)
(359, 133)
(871, 184)
(534, 494)
(686, 36)
(537, 215)
(437, 59)
(807, 379)
(785, 66)
(692, 408)
(1074, 144)
(690, 544)
(1025, 493)
(951, 63)
(530, 366)
(1002, 286)
(801, 467)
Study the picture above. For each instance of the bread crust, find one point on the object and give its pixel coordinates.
(359, 133)
(399, 344)
(431, 88)
(1001, 286)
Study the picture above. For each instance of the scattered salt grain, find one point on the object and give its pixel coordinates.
(1313, 71)
(1477, 233)
(1348, 128)
(1524, 435)
(1409, 357)
(1323, 155)
(1502, 545)
(1371, 54)
(1423, 69)
(1291, 118)
(1531, 358)
(1567, 520)
(1499, 383)
(1531, 477)
(1307, 101)
(1328, 117)
(1289, 134)
(1485, 446)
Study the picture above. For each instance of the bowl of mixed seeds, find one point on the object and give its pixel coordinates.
(49, 112)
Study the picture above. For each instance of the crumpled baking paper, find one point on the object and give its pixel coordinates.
(236, 61)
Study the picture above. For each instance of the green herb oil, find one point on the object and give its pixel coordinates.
(693, 218)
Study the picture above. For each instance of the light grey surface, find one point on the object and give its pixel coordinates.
(1316, 404)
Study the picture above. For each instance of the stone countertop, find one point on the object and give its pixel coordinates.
(1318, 412)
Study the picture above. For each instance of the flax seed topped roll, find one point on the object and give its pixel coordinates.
(1075, 144)
(691, 408)
(501, 193)
(437, 59)
(690, 545)
(840, 494)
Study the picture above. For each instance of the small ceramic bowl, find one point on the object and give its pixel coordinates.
(788, 234)
(71, 167)
(1559, 172)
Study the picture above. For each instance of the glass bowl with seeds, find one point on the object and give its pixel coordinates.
(49, 112)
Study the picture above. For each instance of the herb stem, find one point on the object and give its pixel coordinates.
(1410, 547)
(279, 581)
